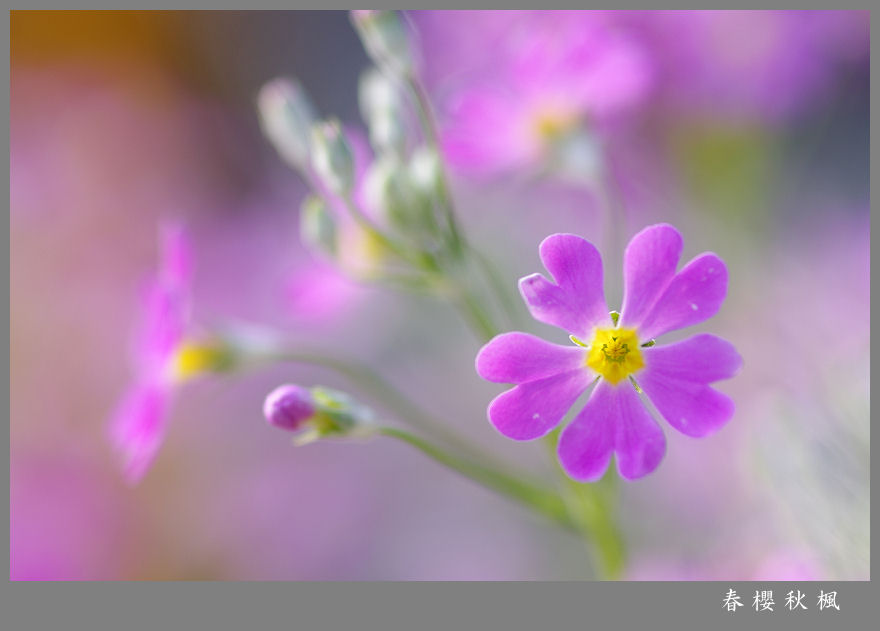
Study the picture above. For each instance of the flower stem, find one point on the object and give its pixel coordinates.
(365, 379)
(475, 314)
(592, 508)
(533, 497)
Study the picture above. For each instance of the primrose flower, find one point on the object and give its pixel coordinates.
(767, 65)
(164, 358)
(616, 352)
(544, 78)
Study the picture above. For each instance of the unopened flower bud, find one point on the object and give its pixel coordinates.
(317, 226)
(425, 171)
(382, 109)
(289, 407)
(332, 157)
(286, 117)
(385, 39)
(315, 413)
(389, 190)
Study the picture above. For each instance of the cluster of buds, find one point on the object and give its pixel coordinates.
(316, 413)
(378, 213)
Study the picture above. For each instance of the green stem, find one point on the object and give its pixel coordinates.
(370, 383)
(591, 507)
(432, 138)
(531, 496)
(476, 315)
(505, 297)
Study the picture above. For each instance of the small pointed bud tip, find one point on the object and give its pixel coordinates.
(385, 39)
(317, 226)
(332, 156)
(286, 115)
(289, 407)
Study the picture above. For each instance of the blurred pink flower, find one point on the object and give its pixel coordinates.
(541, 75)
(138, 426)
(752, 64)
(317, 292)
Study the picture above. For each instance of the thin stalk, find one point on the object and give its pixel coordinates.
(533, 497)
(370, 383)
(592, 506)
(432, 138)
(476, 315)
(505, 297)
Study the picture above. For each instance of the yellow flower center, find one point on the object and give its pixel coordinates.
(614, 354)
(551, 124)
(193, 359)
(362, 253)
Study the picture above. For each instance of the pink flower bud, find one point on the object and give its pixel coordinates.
(289, 407)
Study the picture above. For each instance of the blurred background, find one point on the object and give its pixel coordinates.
(750, 134)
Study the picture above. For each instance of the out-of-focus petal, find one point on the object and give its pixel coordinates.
(485, 133)
(138, 427)
(175, 254)
(693, 295)
(532, 409)
(576, 303)
(675, 378)
(519, 357)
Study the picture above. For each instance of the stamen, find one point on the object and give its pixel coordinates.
(577, 341)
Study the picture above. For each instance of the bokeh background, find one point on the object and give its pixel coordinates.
(752, 138)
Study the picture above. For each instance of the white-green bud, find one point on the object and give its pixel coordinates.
(382, 109)
(337, 415)
(425, 171)
(389, 188)
(316, 225)
(385, 39)
(332, 157)
(286, 118)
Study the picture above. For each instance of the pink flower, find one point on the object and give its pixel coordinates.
(539, 79)
(750, 64)
(162, 358)
(619, 355)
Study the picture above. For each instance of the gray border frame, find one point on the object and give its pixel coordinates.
(422, 606)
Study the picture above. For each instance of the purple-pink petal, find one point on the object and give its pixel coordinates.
(466, 143)
(531, 410)
(613, 419)
(676, 379)
(695, 294)
(138, 427)
(639, 442)
(176, 253)
(162, 330)
(576, 302)
(585, 445)
(649, 265)
(520, 357)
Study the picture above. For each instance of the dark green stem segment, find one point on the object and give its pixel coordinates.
(374, 386)
(592, 506)
(532, 496)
